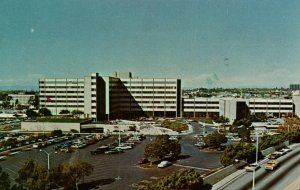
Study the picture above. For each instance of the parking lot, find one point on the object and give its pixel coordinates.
(119, 171)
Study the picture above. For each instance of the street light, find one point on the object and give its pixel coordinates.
(48, 154)
(253, 180)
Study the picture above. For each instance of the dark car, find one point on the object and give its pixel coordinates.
(100, 150)
(114, 151)
(143, 161)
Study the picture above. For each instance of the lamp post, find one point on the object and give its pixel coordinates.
(48, 155)
(253, 181)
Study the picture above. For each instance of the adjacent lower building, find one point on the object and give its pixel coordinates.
(22, 99)
(276, 107)
(236, 108)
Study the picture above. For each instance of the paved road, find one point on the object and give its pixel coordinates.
(278, 179)
(201, 159)
(110, 167)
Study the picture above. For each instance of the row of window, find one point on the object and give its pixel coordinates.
(67, 101)
(270, 103)
(151, 87)
(65, 106)
(142, 97)
(145, 102)
(149, 82)
(62, 92)
(201, 107)
(198, 102)
(66, 97)
(270, 108)
(61, 87)
(61, 82)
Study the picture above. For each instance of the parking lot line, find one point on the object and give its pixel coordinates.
(192, 167)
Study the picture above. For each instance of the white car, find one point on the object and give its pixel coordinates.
(252, 167)
(286, 150)
(200, 144)
(164, 164)
(124, 147)
(3, 157)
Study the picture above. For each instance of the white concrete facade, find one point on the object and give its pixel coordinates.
(22, 99)
(101, 97)
(278, 107)
(62, 94)
(230, 107)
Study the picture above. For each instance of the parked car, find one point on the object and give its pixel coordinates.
(281, 152)
(114, 151)
(100, 150)
(124, 147)
(3, 158)
(200, 144)
(287, 149)
(143, 161)
(252, 167)
(66, 149)
(273, 156)
(164, 164)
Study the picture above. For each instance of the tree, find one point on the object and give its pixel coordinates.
(222, 119)
(57, 133)
(10, 142)
(132, 128)
(33, 176)
(33, 101)
(77, 113)
(162, 147)
(75, 172)
(45, 112)
(215, 140)
(4, 180)
(259, 117)
(290, 124)
(240, 151)
(243, 128)
(244, 133)
(64, 112)
(31, 113)
(6, 103)
(187, 179)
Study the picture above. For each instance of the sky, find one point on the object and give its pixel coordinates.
(205, 43)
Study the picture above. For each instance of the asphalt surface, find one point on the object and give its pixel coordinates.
(279, 179)
(120, 171)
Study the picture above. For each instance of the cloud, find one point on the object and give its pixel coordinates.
(272, 78)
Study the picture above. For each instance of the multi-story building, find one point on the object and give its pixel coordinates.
(236, 108)
(117, 96)
(62, 94)
(277, 107)
(294, 86)
(150, 97)
(124, 96)
(22, 99)
(201, 107)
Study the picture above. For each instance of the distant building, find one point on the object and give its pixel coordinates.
(21, 99)
(294, 86)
